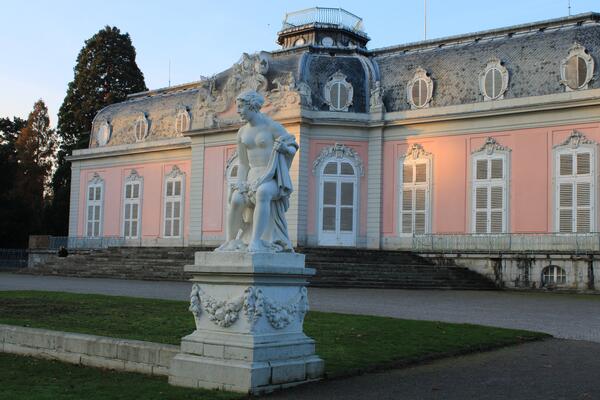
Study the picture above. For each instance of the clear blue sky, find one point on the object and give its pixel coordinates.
(40, 40)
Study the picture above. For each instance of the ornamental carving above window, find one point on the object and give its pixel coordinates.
(338, 92)
(577, 69)
(493, 80)
(419, 90)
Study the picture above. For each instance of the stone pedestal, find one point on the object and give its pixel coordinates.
(249, 310)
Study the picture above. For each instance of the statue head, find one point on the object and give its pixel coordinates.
(249, 102)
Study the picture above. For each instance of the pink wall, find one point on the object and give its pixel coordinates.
(152, 199)
(213, 211)
(531, 197)
(361, 149)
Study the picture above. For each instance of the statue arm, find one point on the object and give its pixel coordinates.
(284, 142)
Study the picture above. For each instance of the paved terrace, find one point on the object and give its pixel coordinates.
(561, 315)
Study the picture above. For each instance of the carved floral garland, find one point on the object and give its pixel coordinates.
(254, 304)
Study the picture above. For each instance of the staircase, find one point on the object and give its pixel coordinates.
(361, 268)
(336, 267)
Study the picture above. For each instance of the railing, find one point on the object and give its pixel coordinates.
(333, 16)
(522, 242)
(84, 242)
(13, 258)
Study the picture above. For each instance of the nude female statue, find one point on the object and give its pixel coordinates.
(258, 201)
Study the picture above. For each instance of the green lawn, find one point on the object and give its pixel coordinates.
(349, 344)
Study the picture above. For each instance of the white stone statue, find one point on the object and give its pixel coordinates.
(258, 201)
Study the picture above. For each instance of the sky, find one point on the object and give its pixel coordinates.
(40, 40)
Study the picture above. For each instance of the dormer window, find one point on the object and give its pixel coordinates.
(493, 80)
(419, 90)
(103, 134)
(577, 69)
(338, 92)
(182, 121)
(141, 128)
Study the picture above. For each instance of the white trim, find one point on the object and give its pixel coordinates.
(182, 113)
(95, 182)
(415, 154)
(176, 175)
(577, 50)
(420, 75)
(575, 144)
(493, 63)
(491, 150)
(338, 79)
(133, 179)
(143, 123)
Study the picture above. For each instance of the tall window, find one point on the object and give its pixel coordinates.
(132, 206)
(173, 203)
(574, 189)
(415, 203)
(95, 197)
(489, 200)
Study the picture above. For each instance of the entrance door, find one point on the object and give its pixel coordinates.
(337, 209)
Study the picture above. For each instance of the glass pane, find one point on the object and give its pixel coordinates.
(89, 229)
(98, 192)
(343, 96)
(407, 222)
(347, 194)
(134, 211)
(134, 225)
(175, 227)
(169, 209)
(415, 93)
(127, 211)
(329, 193)
(126, 229)
(422, 93)
(497, 170)
(177, 188)
(497, 83)
(407, 173)
(97, 213)
(407, 200)
(169, 188)
(335, 95)
(331, 168)
(346, 219)
(583, 163)
(91, 193)
(421, 172)
(168, 227)
(136, 190)
(347, 169)
(96, 228)
(128, 191)
(571, 72)
(329, 218)
(90, 214)
(581, 71)
(489, 83)
(481, 169)
(176, 209)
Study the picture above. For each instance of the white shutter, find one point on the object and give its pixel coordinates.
(566, 164)
(489, 194)
(583, 163)
(415, 196)
(482, 169)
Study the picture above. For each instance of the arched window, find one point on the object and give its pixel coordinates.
(95, 205)
(182, 120)
(575, 185)
(132, 210)
(173, 203)
(415, 195)
(493, 80)
(338, 92)
(553, 275)
(419, 90)
(577, 69)
(338, 169)
(489, 188)
(141, 128)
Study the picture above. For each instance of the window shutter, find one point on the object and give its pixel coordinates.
(482, 169)
(583, 163)
(407, 208)
(583, 207)
(407, 175)
(566, 164)
(565, 203)
(421, 173)
(497, 168)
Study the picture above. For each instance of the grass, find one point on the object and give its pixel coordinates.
(349, 344)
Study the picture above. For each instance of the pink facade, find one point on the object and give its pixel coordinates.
(152, 207)
(215, 189)
(531, 190)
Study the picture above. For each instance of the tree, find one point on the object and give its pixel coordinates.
(105, 73)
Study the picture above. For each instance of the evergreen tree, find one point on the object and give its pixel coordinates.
(105, 73)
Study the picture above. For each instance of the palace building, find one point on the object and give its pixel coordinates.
(479, 149)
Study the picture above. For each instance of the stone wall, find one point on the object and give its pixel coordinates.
(89, 350)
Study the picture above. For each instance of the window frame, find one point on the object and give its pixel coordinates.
(133, 179)
(95, 182)
(176, 175)
(415, 154)
(141, 121)
(490, 150)
(577, 50)
(182, 114)
(494, 63)
(338, 79)
(420, 74)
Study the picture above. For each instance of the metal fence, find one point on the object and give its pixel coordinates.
(323, 15)
(13, 258)
(84, 242)
(572, 242)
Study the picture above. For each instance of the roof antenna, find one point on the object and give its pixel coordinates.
(569, 8)
(169, 72)
(425, 26)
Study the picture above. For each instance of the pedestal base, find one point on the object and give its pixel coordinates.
(249, 310)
